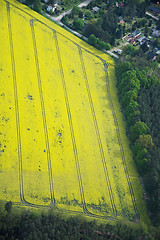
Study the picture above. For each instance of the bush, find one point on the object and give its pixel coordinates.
(8, 206)
(65, 19)
(88, 14)
(108, 46)
(129, 50)
(78, 24)
(101, 45)
(93, 40)
(75, 11)
(139, 128)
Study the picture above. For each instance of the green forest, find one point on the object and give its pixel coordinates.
(31, 225)
(139, 94)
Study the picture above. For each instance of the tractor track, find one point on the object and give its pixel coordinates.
(43, 113)
(70, 123)
(16, 103)
(69, 115)
(97, 132)
(73, 137)
(121, 146)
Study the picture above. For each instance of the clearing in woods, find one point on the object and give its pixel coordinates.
(62, 136)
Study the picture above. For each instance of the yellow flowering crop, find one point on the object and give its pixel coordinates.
(62, 136)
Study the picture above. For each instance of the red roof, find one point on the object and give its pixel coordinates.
(121, 5)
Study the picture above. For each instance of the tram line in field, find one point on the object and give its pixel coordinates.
(43, 113)
(18, 126)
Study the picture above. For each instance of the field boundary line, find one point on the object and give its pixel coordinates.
(70, 123)
(97, 132)
(43, 113)
(15, 102)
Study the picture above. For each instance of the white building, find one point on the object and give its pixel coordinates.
(50, 8)
(95, 9)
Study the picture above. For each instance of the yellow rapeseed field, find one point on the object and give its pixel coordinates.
(62, 134)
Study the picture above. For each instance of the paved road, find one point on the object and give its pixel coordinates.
(76, 33)
(58, 19)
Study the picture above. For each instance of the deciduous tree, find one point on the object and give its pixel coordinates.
(108, 46)
(78, 24)
(139, 128)
(92, 40)
(8, 206)
(101, 45)
(75, 11)
(37, 6)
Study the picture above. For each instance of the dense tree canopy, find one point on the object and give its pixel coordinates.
(78, 24)
(75, 11)
(109, 23)
(139, 92)
(30, 225)
(93, 40)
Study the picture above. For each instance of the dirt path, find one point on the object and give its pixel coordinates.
(119, 47)
(111, 52)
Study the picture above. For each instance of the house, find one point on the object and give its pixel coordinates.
(121, 5)
(119, 51)
(156, 33)
(46, 1)
(50, 8)
(135, 33)
(141, 39)
(120, 19)
(132, 41)
(155, 10)
(95, 9)
(132, 38)
(152, 56)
